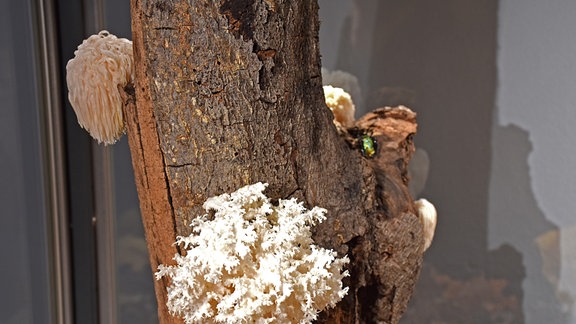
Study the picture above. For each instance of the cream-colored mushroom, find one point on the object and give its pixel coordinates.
(345, 80)
(340, 102)
(428, 217)
(101, 64)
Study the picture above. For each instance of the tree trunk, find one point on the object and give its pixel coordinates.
(229, 93)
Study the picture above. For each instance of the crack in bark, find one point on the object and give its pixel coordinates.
(240, 15)
(164, 28)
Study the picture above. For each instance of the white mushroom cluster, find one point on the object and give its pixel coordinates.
(341, 105)
(253, 261)
(100, 64)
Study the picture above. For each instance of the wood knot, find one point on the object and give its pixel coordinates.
(266, 54)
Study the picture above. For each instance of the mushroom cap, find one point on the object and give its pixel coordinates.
(340, 102)
(100, 64)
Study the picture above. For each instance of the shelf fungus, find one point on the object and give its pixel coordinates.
(101, 64)
(341, 105)
(428, 218)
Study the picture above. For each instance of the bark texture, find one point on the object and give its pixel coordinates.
(229, 93)
(153, 191)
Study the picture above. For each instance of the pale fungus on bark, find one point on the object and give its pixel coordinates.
(347, 81)
(428, 217)
(101, 64)
(341, 104)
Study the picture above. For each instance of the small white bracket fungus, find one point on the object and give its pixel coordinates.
(253, 262)
(341, 105)
(100, 64)
(428, 217)
(344, 80)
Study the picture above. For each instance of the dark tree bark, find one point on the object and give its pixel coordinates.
(229, 93)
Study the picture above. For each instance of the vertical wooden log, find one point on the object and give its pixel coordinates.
(229, 93)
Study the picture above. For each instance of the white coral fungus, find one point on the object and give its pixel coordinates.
(253, 262)
(101, 64)
(340, 102)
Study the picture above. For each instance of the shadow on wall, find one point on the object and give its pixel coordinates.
(516, 219)
(439, 58)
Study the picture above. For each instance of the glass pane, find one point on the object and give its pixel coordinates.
(24, 273)
(134, 281)
(136, 301)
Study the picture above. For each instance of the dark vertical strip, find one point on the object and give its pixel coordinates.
(53, 157)
(34, 301)
(71, 32)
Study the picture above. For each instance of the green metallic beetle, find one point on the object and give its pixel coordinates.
(368, 146)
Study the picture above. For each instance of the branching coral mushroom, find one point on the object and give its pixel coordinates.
(101, 64)
(253, 262)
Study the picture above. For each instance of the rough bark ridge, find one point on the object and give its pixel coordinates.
(234, 88)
